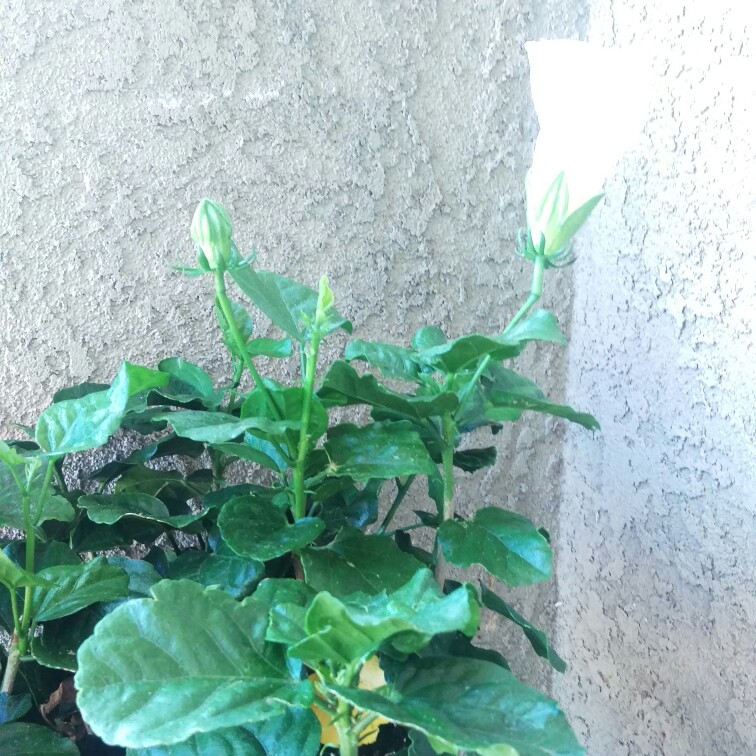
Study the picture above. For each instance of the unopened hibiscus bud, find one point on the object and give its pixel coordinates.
(211, 232)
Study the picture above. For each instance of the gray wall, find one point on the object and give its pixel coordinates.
(656, 570)
(386, 144)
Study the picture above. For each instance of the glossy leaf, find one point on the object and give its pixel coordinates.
(289, 403)
(12, 576)
(538, 326)
(296, 732)
(471, 460)
(192, 660)
(111, 508)
(351, 505)
(56, 646)
(235, 575)
(471, 705)
(218, 428)
(79, 424)
(355, 562)
(343, 386)
(346, 631)
(75, 587)
(243, 323)
(23, 739)
(391, 361)
(53, 507)
(506, 390)
(538, 639)
(288, 304)
(507, 544)
(257, 528)
(265, 347)
(428, 337)
(379, 450)
(248, 453)
(187, 382)
(467, 351)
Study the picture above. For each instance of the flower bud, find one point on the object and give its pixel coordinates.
(211, 232)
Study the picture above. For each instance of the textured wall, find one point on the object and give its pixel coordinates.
(657, 564)
(384, 143)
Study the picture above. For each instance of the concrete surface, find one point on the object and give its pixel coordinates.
(386, 144)
(657, 518)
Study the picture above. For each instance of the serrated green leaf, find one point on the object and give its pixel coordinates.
(107, 509)
(347, 631)
(257, 528)
(538, 639)
(75, 425)
(391, 361)
(472, 705)
(343, 386)
(355, 562)
(192, 660)
(74, 587)
(378, 450)
(218, 428)
(23, 739)
(288, 304)
(507, 544)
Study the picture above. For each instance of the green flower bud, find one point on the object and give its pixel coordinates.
(211, 232)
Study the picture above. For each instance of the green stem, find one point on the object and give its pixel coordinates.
(225, 305)
(11, 667)
(536, 289)
(401, 492)
(304, 439)
(447, 460)
(348, 738)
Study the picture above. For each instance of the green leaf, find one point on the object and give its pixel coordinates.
(12, 576)
(428, 337)
(296, 732)
(22, 739)
(255, 527)
(77, 586)
(504, 389)
(470, 704)
(378, 450)
(249, 453)
(217, 427)
(391, 361)
(343, 386)
(76, 392)
(345, 631)
(13, 707)
(107, 509)
(156, 672)
(265, 347)
(471, 460)
(351, 505)
(354, 562)
(79, 424)
(289, 403)
(507, 544)
(56, 646)
(467, 351)
(142, 575)
(188, 382)
(11, 505)
(539, 326)
(235, 575)
(289, 305)
(538, 639)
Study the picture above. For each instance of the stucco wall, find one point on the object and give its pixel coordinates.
(657, 565)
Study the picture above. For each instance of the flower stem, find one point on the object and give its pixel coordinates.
(536, 289)
(225, 306)
(401, 492)
(304, 438)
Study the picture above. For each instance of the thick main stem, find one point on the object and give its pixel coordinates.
(304, 438)
(11, 667)
(447, 464)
